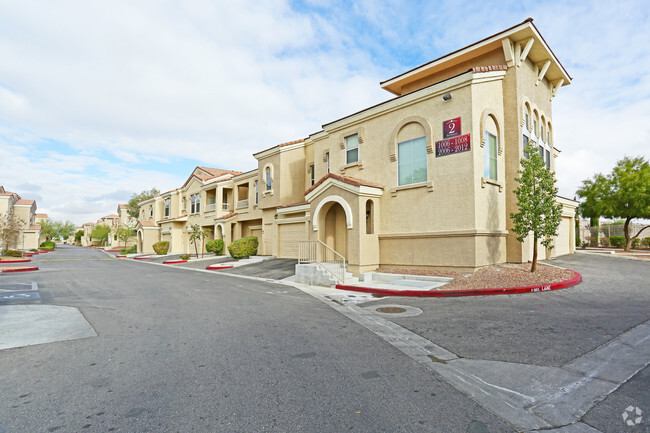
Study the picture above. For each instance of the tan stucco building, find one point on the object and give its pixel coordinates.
(23, 211)
(422, 180)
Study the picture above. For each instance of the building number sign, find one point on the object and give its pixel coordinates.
(453, 142)
(451, 128)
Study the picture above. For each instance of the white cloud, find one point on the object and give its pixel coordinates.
(143, 82)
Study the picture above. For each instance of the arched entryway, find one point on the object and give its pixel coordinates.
(139, 241)
(218, 231)
(334, 228)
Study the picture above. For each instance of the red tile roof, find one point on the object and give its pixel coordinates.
(227, 216)
(122, 206)
(288, 143)
(113, 216)
(144, 223)
(300, 203)
(41, 215)
(35, 227)
(489, 68)
(211, 174)
(25, 202)
(346, 179)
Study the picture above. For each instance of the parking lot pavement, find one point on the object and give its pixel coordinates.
(275, 269)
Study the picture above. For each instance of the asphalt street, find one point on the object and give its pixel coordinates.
(180, 350)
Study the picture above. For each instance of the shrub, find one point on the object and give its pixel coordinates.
(34, 250)
(244, 247)
(131, 250)
(185, 257)
(646, 242)
(636, 243)
(604, 242)
(161, 247)
(47, 245)
(617, 241)
(12, 253)
(215, 246)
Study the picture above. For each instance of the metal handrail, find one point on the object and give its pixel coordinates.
(323, 256)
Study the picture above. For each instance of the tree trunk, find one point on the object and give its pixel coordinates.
(626, 230)
(534, 266)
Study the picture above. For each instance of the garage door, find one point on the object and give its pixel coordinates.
(290, 235)
(563, 241)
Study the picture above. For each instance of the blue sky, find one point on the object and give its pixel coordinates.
(102, 99)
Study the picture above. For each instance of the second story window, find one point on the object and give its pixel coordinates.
(327, 160)
(257, 192)
(412, 161)
(267, 174)
(166, 208)
(312, 175)
(151, 211)
(352, 149)
(198, 203)
(490, 157)
(192, 204)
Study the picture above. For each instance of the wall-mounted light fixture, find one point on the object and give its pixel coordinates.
(446, 97)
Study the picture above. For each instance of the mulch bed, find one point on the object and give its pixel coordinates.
(495, 276)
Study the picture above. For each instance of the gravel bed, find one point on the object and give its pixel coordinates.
(495, 276)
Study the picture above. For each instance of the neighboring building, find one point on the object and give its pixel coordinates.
(24, 211)
(86, 239)
(423, 180)
(123, 220)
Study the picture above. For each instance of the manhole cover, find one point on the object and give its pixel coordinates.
(391, 310)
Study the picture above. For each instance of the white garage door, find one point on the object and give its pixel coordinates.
(290, 235)
(563, 241)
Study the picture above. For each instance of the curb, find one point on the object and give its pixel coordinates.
(16, 261)
(142, 258)
(32, 268)
(217, 267)
(577, 278)
(171, 262)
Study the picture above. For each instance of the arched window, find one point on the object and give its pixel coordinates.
(370, 229)
(268, 178)
(490, 149)
(411, 154)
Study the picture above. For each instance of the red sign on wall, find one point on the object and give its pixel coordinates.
(451, 128)
(453, 145)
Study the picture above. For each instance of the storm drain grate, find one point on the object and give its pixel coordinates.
(391, 310)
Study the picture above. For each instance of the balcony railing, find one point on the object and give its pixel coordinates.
(225, 206)
(210, 207)
(242, 203)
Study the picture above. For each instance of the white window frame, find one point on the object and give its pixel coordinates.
(349, 149)
(487, 157)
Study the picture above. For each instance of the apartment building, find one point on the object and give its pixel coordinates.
(24, 212)
(422, 180)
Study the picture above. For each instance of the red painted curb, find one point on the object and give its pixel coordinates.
(170, 262)
(217, 267)
(33, 268)
(113, 251)
(120, 255)
(16, 261)
(142, 258)
(473, 292)
(43, 251)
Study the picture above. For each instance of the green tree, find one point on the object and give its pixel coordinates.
(66, 229)
(49, 229)
(196, 236)
(78, 235)
(623, 193)
(124, 233)
(100, 232)
(539, 213)
(133, 209)
(10, 231)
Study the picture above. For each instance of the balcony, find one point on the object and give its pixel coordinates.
(226, 206)
(210, 207)
(242, 204)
